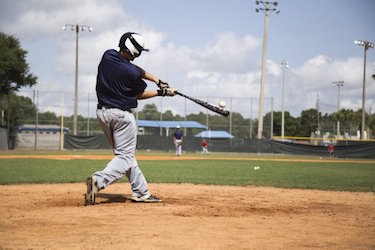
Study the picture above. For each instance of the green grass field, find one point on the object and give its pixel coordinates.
(333, 175)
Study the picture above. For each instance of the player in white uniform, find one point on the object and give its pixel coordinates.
(119, 85)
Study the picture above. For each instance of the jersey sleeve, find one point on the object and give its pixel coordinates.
(138, 85)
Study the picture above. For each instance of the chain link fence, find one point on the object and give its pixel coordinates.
(42, 113)
(56, 109)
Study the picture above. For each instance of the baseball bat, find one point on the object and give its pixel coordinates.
(207, 105)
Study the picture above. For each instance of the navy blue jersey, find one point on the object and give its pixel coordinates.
(118, 81)
(177, 135)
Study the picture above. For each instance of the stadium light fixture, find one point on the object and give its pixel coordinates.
(366, 45)
(265, 7)
(339, 84)
(76, 28)
(266, 11)
(284, 65)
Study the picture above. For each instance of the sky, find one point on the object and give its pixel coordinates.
(209, 49)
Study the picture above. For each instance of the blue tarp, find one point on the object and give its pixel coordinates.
(170, 124)
(214, 134)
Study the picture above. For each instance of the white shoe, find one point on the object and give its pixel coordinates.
(145, 198)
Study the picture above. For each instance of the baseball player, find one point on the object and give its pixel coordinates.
(331, 150)
(204, 147)
(177, 140)
(119, 85)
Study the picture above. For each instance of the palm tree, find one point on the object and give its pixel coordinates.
(347, 116)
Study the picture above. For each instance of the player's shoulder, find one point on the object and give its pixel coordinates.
(110, 52)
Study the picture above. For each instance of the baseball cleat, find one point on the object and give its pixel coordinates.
(91, 192)
(146, 198)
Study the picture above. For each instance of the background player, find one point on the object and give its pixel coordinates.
(204, 147)
(119, 84)
(331, 149)
(177, 140)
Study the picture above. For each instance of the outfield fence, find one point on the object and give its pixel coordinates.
(242, 122)
(347, 149)
(61, 103)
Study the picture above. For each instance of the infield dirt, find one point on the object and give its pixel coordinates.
(53, 216)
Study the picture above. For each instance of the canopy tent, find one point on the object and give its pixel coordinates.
(214, 134)
(144, 125)
(170, 124)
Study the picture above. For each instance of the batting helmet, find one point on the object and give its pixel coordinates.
(133, 43)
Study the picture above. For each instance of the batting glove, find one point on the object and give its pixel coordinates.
(162, 85)
(167, 92)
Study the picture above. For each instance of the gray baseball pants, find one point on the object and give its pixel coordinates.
(120, 129)
(178, 145)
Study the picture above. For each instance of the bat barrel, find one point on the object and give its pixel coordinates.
(206, 105)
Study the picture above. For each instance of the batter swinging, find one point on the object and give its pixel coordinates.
(118, 86)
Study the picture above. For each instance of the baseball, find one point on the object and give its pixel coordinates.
(222, 104)
(256, 168)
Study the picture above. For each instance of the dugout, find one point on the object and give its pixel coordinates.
(30, 136)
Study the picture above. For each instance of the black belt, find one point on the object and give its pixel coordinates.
(100, 106)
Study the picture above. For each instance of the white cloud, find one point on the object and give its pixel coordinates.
(210, 77)
(273, 68)
(316, 75)
(37, 18)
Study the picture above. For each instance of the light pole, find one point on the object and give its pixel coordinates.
(76, 28)
(339, 84)
(284, 65)
(367, 45)
(266, 10)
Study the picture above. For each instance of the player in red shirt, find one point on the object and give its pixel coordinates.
(204, 147)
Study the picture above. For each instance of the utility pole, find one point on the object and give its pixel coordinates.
(317, 113)
(251, 118)
(76, 28)
(339, 84)
(284, 65)
(271, 134)
(366, 45)
(266, 11)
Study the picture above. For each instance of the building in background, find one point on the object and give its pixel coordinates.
(41, 137)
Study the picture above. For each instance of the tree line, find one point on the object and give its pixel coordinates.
(22, 111)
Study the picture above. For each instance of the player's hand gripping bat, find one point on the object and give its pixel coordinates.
(207, 105)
